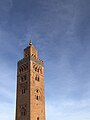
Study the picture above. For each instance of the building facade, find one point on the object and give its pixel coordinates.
(30, 99)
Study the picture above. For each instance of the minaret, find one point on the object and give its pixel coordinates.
(30, 99)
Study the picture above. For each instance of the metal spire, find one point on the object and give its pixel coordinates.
(30, 43)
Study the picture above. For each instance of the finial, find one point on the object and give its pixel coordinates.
(30, 43)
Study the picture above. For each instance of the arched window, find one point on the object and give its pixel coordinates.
(37, 78)
(25, 77)
(37, 97)
(38, 70)
(37, 91)
(24, 67)
(23, 91)
(27, 67)
(35, 68)
(21, 79)
(41, 70)
(23, 111)
(37, 118)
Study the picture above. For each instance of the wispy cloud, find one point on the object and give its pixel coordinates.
(7, 92)
(7, 111)
(68, 109)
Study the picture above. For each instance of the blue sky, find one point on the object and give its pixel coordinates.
(60, 29)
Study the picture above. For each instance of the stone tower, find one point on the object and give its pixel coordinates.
(30, 99)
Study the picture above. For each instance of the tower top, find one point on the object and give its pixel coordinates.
(31, 50)
(30, 43)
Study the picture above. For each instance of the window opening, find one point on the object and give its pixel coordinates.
(23, 111)
(24, 68)
(27, 67)
(36, 69)
(37, 78)
(37, 118)
(37, 97)
(23, 91)
(24, 77)
(21, 79)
